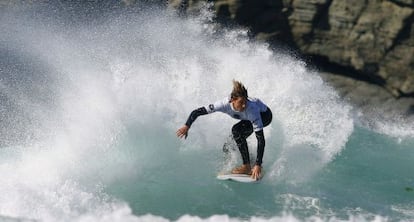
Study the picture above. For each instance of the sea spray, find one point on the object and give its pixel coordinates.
(115, 90)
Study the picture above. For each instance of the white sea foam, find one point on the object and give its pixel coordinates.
(392, 123)
(399, 127)
(123, 215)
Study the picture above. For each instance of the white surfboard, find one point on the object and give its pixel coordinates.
(244, 178)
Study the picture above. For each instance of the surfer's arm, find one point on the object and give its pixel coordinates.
(183, 131)
(260, 146)
(257, 169)
(194, 114)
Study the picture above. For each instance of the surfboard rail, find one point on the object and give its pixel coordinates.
(243, 178)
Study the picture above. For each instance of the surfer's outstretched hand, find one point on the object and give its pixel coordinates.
(256, 172)
(183, 132)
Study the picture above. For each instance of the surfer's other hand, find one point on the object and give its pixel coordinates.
(183, 132)
(256, 172)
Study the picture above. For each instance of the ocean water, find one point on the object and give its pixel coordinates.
(91, 98)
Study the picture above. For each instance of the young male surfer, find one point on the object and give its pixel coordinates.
(254, 115)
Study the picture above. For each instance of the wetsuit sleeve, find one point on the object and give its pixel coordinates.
(194, 114)
(260, 146)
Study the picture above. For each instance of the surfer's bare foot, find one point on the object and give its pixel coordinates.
(243, 169)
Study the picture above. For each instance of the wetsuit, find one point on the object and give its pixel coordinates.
(255, 117)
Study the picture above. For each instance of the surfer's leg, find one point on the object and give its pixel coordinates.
(240, 132)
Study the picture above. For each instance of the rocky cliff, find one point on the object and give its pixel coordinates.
(368, 39)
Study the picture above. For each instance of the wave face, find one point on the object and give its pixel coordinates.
(91, 98)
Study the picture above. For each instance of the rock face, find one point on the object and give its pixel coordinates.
(373, 39)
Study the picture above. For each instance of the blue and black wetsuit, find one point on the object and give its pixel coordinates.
(254, 117)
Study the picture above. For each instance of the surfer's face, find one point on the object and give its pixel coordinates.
(239, 103)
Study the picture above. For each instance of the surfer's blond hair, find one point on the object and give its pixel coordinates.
(239, 90)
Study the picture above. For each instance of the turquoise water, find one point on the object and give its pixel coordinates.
(90, 107)
(370, 177)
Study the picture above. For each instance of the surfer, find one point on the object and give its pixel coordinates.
(254, 115)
